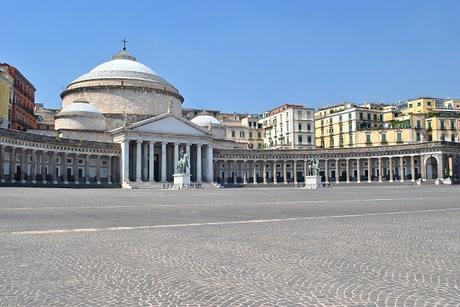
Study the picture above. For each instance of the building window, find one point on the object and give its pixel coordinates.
(418, 137)
(443, 137)
(308, 127)
(309, 140)
(452, 137)
(410, 105)
(299, 113)
(241, 134)
(428, 103)
(350, 127)
(419, 104)
(233, 133)
(368, 138)
(419, 124)
(259, 135)
(381, 117)
(399, 137)
(349, 116)
(250, 134)
(368, 116)
(300, 139)
(340, 118)
(441, 122)
(299, 126)
(384, 137)
(452, 125)
(375, 117)
(429, 125)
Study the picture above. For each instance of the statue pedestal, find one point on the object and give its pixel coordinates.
(181, 179)
(312, 182)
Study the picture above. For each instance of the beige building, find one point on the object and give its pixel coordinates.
(288, 126)
(6, 97)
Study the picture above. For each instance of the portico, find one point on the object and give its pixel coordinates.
(150, 150)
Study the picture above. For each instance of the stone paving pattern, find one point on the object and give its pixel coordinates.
(350, 246)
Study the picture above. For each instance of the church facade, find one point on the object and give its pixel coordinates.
(121, 124)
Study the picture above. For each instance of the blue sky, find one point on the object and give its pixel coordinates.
(246, 56)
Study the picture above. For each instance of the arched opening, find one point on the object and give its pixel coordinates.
(431, 166)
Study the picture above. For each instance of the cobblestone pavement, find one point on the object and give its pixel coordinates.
(351, 246)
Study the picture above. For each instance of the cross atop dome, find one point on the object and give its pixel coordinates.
(124, 41)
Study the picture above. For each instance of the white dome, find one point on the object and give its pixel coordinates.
(80, 115)
(205, 120)
(122, 66)
(80, 106)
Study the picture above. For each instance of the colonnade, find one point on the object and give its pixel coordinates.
(19, 164)
(156, 161)
(344, 169)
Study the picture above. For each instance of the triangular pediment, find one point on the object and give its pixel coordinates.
(168, 124)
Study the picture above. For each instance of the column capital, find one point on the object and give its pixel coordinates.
(139, 141)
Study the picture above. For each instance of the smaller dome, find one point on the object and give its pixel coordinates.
(80, 115)
(80, 106)
(203, 120)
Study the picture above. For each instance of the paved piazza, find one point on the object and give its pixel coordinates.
(366, 246)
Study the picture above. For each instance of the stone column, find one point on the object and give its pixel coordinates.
(138, 161)
(125, 161)
(198, 163)
(226, 171)
(423, 167)
(176, 156)
(380, 169)
(54, 173)
(358, 170)
(235, 173)
(44, 172)
(264, 175)
(145, 161)
(87, 160)
(210, 164)
(347, 171)
(285, 171)
(390, 161)
(23, 165)
(33, 167)
(187, 151)
(326, 170)
(98, 169)
(305, 171)
(440, 166)
(275, 180)
(369, 170)
(337, 170)
(412, 171)
(401, 169)
(2, 163)
(163, 161)
(75, 169)
(109, 169)
(64, 166)
(295, 171)
(254, 165)
(12, 164)
(152, 161)
(245, 179)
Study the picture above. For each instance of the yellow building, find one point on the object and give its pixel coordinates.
(336, 126)
(6, 97)
(416, 120)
